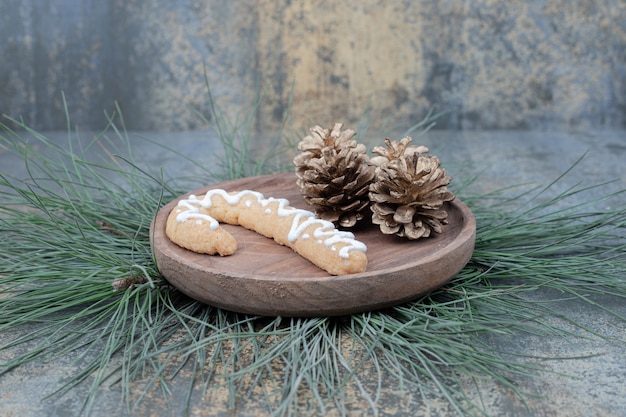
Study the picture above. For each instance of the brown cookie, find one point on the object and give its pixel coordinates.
(194, 225)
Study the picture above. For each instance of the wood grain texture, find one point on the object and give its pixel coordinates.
(265, 278)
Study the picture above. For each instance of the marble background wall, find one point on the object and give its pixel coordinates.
(556, 64)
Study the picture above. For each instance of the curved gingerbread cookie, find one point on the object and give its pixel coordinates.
(194, 224)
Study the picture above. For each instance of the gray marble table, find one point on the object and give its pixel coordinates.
(597, 367)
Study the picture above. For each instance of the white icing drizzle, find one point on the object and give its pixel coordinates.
(325, 233)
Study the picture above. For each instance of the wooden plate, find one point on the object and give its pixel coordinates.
(265, 278)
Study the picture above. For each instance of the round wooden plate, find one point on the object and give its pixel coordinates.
(265, 278)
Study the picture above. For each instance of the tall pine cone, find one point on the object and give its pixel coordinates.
(334, 174)
(409, 190)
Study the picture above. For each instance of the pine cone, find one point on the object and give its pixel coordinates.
(409, 190)
(334, 175)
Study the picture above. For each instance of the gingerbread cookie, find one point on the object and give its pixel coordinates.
(194, 225)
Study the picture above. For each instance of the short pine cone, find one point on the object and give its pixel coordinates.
(409, 190)
(334, 175)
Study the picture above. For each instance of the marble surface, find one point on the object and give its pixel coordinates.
(584, 377)
(508, 65)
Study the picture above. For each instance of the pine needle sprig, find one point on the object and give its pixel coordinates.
(77, 273)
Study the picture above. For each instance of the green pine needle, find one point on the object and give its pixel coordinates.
(77, 271)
